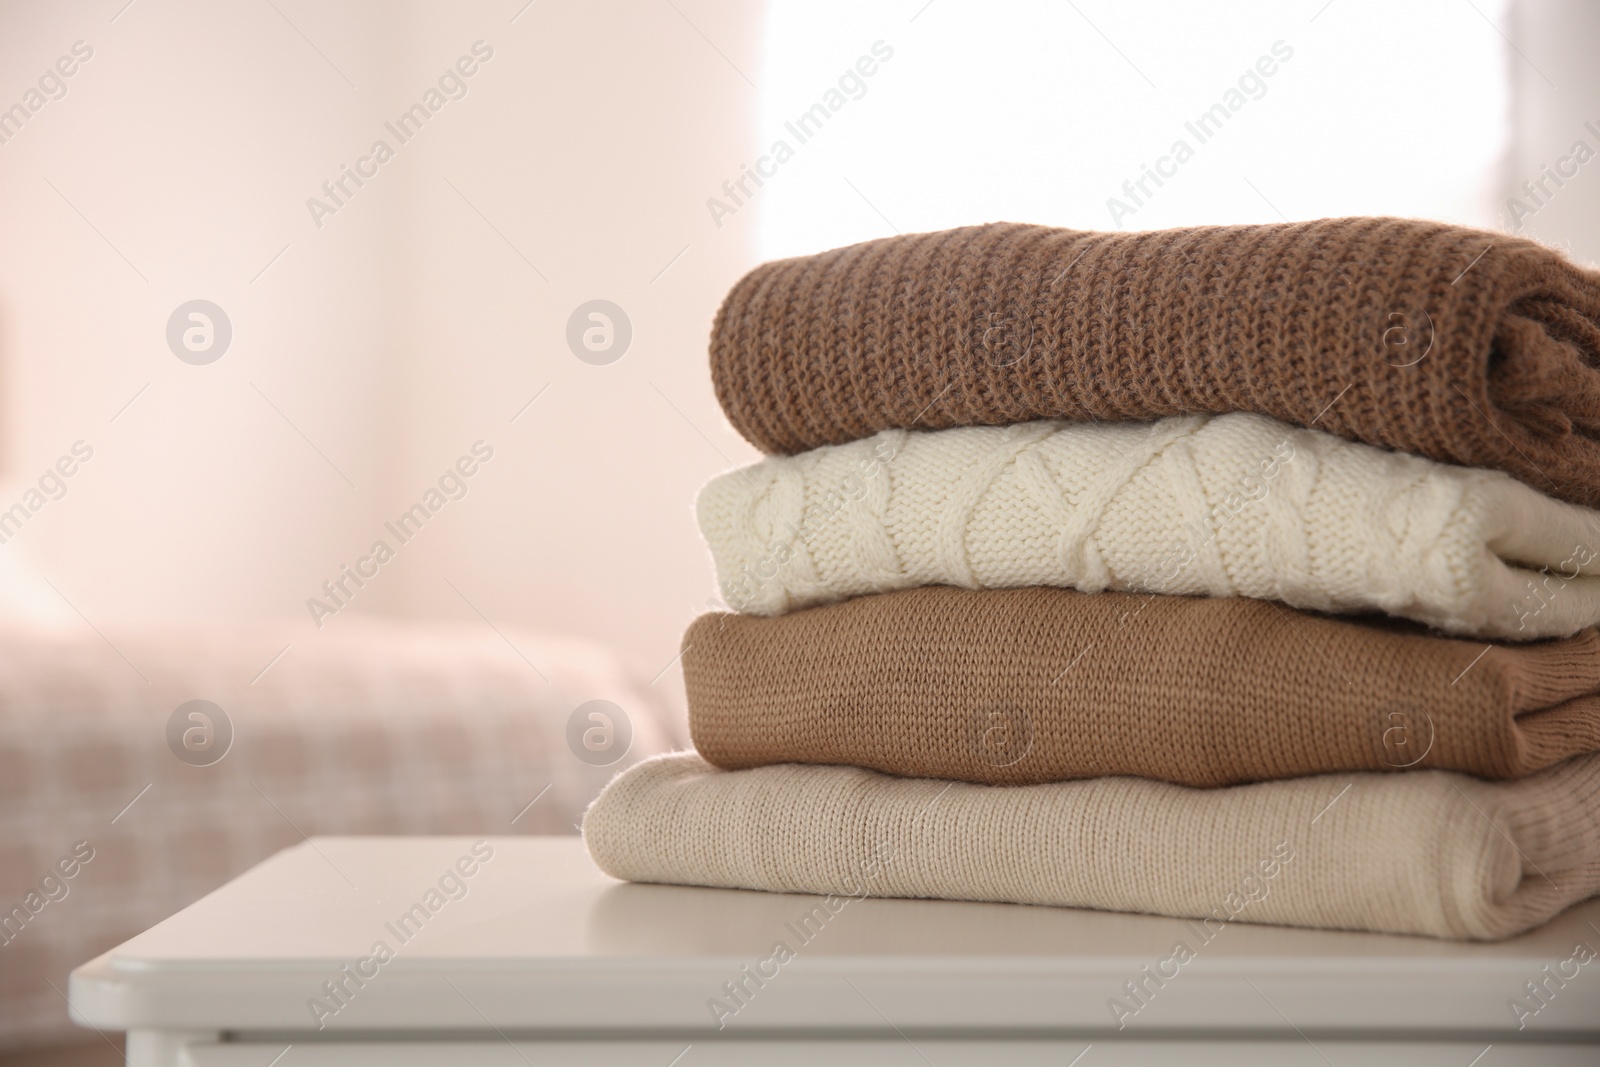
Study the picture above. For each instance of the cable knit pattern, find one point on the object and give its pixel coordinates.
(1229, 505)
(1429, 852)
(1019, 686)
(1464, 346)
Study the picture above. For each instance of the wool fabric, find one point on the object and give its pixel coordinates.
(1463, 346)
(1020, 686)
(1224, 505)
(1429, 852)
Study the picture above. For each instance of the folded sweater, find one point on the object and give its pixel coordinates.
(1222, 505)
(1464, 346)
(1019, 686)
(1429, 852)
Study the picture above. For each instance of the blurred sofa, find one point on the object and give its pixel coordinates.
(118, 809)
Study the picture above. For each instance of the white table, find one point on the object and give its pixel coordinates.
(547, 961)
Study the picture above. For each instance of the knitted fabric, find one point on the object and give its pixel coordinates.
(1222, 505)
(1019, 686)
(1463, 346)
(1428, 852)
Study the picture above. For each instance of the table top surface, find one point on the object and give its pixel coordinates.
(527, 934)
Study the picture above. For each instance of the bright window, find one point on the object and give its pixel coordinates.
(1040, 112)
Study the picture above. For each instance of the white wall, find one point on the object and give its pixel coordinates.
(185, 144)
(1557, 90)
(391, 337)
(591, 145)
(414, 321)
(1035, 111)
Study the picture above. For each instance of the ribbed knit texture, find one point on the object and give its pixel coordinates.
(1464, 346)
(1225, 505)
(1019, 686)
(1428, 852)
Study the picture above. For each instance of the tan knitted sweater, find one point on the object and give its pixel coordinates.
(1020, 686)
(1464, 346)
(1427, 852)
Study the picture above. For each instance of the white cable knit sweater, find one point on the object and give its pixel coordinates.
(1228, 505)
(1423, 852)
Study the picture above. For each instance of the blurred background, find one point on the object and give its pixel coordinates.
(274, 273)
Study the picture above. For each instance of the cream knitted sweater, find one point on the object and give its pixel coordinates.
(1423, 852)
(1224, 505)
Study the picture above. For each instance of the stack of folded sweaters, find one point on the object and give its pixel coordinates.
(1230, 573)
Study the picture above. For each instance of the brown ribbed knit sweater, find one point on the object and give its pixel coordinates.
(1023, 686)
(1460, 345)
